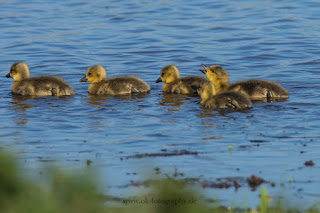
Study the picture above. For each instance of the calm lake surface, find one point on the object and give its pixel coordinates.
(274, 40)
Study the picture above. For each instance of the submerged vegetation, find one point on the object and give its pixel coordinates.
(79, 193)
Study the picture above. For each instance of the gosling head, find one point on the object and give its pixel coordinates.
(168, 74)
(19, 71)
(216, 74)
(94, 74)
(206, 90)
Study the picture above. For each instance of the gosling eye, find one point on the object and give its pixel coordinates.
(212, 70)
(162, 74)
(90, 73)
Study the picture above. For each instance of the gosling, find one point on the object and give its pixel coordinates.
(174, 84)
(256, 89)
(36, 86)
(123, 85)
(229, 99)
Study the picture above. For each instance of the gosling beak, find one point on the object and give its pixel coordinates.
(205, 68)
(84, 79)
(159, 80)
(8, 75)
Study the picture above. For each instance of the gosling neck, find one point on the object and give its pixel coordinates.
(221, 86)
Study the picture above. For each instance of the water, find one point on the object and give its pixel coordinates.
(270, 40)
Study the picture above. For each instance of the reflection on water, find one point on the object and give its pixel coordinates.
(249, 39)
(102, 100)
(22, 121)
(173, 99)
(97, 100)
(20, 105)
(23, 103)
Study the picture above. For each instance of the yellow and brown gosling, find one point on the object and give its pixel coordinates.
(256, 89)
(228, 99)
(174, 84)
(123, 85)
(36, 86)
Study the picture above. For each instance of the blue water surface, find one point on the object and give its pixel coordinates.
(274, 40)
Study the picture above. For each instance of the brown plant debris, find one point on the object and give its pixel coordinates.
(309, 163)
(254, 181)
(163, 154)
